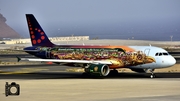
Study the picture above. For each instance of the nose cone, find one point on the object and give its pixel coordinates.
(172, 61)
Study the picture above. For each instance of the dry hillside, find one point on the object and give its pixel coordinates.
(5, 30)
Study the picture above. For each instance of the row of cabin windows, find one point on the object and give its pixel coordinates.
(161, 54)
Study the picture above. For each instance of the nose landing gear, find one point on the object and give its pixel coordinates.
(152, 73)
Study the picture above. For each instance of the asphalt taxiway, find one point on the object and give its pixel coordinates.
(138, 89)
(51, 82)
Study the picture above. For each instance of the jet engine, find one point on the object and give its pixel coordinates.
(98, 69)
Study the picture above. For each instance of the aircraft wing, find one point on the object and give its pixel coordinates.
(67, 61)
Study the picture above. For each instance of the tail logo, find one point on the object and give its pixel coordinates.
(33, 31)
(37, 34)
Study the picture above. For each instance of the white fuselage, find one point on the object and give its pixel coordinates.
(162, 57)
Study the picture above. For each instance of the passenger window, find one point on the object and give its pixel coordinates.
(165, 53)
(156, 54)
(160, 54)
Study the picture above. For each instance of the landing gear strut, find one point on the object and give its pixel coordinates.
(152, 73)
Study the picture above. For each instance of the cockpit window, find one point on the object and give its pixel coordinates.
(165, 53)
(160, 54)
(156, 54)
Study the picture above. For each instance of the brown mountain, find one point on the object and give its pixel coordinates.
(5, 30)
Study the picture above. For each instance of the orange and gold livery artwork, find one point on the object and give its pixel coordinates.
(119, 56)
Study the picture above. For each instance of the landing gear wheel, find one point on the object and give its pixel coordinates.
(114, 72)
(152, 76)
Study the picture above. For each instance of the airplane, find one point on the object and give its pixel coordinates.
(97, 60)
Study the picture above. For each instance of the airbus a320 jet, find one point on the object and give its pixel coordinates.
(95, 59)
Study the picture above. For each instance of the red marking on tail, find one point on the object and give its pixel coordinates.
(32, 36)
(39, 40)
(37, 35)
(32, 32)
(42, 37)
(42, 33)
(39, 30)
(34, 42)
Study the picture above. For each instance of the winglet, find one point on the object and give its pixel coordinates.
(18, 59)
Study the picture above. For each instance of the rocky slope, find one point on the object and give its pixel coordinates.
(5, 30)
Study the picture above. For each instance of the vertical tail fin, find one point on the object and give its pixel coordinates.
(37, 35)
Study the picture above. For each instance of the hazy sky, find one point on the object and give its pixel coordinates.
(117, 19)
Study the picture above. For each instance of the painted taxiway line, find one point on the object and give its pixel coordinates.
(23, 71)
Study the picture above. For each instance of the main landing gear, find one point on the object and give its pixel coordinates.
(113, 72)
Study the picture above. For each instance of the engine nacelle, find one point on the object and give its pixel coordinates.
(98, 69)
